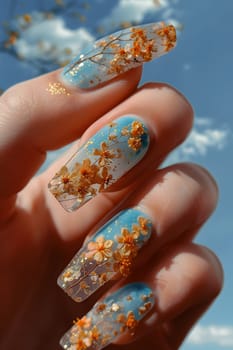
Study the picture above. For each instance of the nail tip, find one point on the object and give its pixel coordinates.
(111, 56)
(105, 158)
(110, 318)
(109, 254)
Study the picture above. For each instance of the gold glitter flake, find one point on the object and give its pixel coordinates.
(57, 89)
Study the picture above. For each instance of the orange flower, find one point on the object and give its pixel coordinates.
(116, 66)
(125, 131)
(169, 32)
(105, 154)
(129, 243)
(169, 35)
(103, 278)
(126, 237)
(121, 318)
(131, 322)
(123, 264)
(147, 51)
(99, 249)
(101, 307)
(112, 137)
(168, 46)
(94, 333)
(81, 344)
(122, 52)
(78, 181)
(136, 49)
(143, 225)
(64, 174)
(106, 178)
(137, 129)
(142, 228)
(83, 322)
(85, 287)
(138, 33)
(135, 143)
(88, 170)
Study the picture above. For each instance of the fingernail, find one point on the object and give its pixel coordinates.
(108, 254)
(106, 157)
(119, 52)
(111, 318)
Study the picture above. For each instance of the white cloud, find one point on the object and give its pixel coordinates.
(48, 39)
(200, 141)
(132, 11)
(203, 138)
(212, 334)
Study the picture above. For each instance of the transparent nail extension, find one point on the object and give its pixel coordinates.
(100, 162)
(119, 313)
(109, 254)
(119, 52)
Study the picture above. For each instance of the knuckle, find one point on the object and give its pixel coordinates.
(16, 104)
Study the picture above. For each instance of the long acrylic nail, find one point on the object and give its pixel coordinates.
(109, 319)
(108, 254)
(100, 162)
(119, 52)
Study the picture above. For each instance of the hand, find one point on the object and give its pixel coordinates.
(38, 238)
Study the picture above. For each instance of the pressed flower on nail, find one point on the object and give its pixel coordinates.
(106, 154)
(83, 322)
(119, 52)
(117, 314)
(100, 249)
(109, 254)
(100, 162)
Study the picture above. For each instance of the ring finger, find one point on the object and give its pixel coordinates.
(166, 299)
(172, 205)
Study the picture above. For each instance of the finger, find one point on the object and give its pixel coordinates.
(182, 278)
(172, 204)
(30, 115)
(113, 146)
(33, 121)
(197, 280)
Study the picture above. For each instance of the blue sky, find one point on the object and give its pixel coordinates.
(201, 68)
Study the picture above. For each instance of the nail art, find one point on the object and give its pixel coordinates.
(119, 52)
(109, 254)
(109, 319)
(107, 156)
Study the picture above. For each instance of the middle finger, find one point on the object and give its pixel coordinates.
(166, 117)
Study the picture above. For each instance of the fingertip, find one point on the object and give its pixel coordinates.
(216, 275)
(182, 115)
(208, 193)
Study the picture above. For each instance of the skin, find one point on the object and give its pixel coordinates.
(38, 238)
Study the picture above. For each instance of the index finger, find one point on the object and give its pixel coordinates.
(41, 114)
(44, 114)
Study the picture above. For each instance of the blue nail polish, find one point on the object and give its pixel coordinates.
(107, 156)
(119, 313)
(109, 254)
(119, 52)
